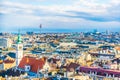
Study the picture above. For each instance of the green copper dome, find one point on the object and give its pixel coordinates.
(19, 40)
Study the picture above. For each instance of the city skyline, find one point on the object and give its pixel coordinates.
(57, 16)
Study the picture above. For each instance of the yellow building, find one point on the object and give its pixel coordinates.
(1, 78)
(7, 64)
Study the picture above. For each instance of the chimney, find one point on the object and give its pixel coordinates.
(66, 74)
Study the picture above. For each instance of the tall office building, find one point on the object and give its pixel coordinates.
(107, 32)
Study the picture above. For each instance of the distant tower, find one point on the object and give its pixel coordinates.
(107, 32)
(40, 28)
(19, 54)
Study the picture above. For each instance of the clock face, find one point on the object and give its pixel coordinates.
(20, 47)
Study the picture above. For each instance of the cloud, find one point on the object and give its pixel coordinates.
(79, 9)
(93, 17)
(66, 13)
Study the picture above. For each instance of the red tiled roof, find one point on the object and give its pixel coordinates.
(117, 48)
(72, 65)
(8, 61)
(55, 60)
(33, 62)
(1, 62)
(83, 68)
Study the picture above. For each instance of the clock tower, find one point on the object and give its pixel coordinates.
(19, 54)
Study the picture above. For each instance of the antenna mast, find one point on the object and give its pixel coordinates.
(40, 27)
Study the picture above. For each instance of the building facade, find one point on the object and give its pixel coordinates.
(19, 53)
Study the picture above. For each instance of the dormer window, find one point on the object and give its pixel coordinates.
(27, 68)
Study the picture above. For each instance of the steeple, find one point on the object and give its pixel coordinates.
(19, 53)
(19, 40)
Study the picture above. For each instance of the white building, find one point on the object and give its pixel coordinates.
(68, 44)
(5, 42)
(19, 53)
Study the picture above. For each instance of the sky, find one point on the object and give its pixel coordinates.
(59, 15)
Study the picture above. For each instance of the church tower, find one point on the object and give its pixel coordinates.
(19, 54)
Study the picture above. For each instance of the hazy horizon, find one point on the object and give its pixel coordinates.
(48, 30)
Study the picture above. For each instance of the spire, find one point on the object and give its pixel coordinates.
(19, 40)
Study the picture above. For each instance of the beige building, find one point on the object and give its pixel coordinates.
(7, 63)
(68, 44)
